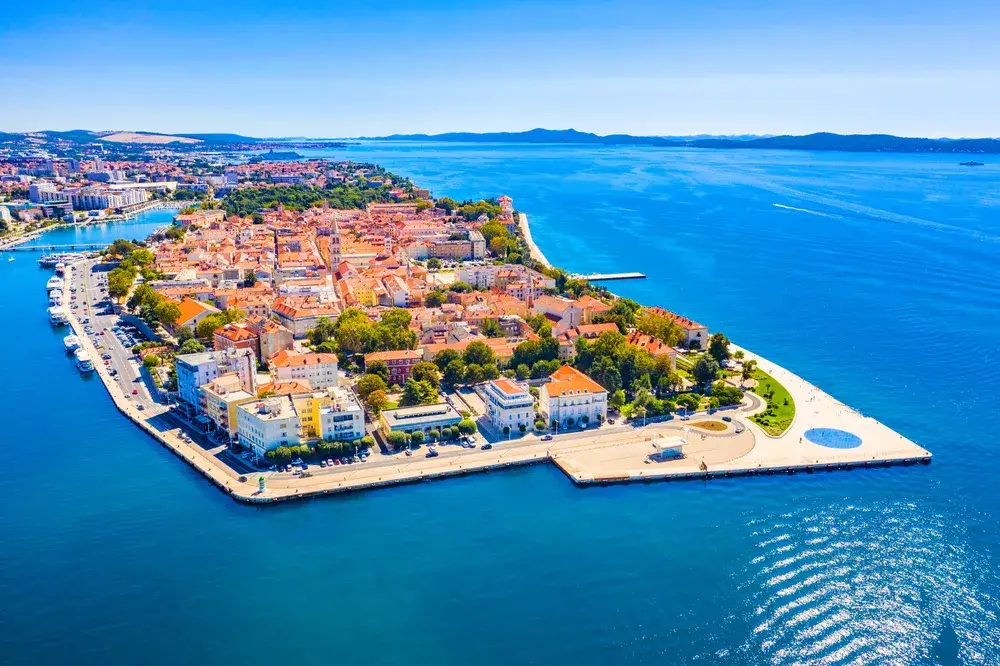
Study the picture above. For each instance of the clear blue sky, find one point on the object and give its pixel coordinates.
(336, 68)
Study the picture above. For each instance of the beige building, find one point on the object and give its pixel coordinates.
(221, 397)
(572, 398)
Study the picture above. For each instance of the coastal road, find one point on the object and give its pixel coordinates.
(90, 280)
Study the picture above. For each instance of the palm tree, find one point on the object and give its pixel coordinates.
(748, 368)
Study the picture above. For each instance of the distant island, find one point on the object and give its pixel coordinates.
(853, 143)
(128, 143)
(972, 163)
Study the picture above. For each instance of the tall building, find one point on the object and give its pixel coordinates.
(196, 370)
(336, 255)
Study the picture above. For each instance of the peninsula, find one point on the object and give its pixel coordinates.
(311, 327)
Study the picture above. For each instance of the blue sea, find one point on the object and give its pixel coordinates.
(876, 277)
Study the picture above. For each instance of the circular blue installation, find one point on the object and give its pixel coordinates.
(833, 438)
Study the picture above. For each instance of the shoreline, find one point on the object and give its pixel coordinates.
(533, 250)
(592, 456)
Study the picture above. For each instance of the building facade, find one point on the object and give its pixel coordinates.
(509, 404)
(572, 398)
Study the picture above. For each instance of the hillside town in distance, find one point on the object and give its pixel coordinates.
(306, 312)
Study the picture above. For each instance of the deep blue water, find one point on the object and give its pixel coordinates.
(876, 277)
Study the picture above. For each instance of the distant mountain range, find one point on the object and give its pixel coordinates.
(136, 137)
(857, 143)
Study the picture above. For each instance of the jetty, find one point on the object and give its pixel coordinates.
(599, 277)
(49, 247)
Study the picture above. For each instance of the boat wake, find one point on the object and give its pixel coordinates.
(806, 210)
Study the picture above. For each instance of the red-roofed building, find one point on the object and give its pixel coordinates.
(399, 362)
(572, 398)
(693, 331)
(235, 336)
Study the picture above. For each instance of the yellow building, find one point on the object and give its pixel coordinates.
(221, 397)
(333, 414)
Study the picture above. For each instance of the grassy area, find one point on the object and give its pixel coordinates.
(780, 411)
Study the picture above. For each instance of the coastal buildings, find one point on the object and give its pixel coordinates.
(220, 398)
(319, 370)
(400, 363)
(695, 334)
(235, 336)
(509, 404)
(331, 415)
(266, 424)
(423, 418)
(197, 370)
(572, 398)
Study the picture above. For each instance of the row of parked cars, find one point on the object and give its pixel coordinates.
(298, 466)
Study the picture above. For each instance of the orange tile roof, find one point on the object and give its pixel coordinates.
(190, 309)
(395, 355)
(508, 387)
(568, 380)
(287, 359)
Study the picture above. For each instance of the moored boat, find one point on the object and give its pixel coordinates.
(57, 316)
(71, 342)
(83, 361)
(55, 282)
(60, 268)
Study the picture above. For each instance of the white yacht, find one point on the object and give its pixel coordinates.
(55, 297)
(83, 361)
(71, 342)
(57, 316)
(60, 268)
(55, 282)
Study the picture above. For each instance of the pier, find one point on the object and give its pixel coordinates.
(49, 247)
(598, 277)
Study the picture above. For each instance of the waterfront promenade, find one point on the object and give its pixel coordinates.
(610, 454)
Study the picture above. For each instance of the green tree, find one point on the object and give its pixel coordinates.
(417, 437)
(167, 312)
(718, 347)
(434, 264)
(369, 384)
(377, 401)
(418, 393)
(491, 328)
(454, 373)
(467, 426)
(446, 356)
(151, 361)
(749, 367)
(478, 353)
(191, 346)
(397, 440)
(379, 368)
(705, 370)
(426, 372)
(616, 399)
(435, 298)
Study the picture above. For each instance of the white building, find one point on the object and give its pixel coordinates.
(196, 370)
(509, 404)
(44, 191)
(500, 275)
(570, 396)
(333, 415)
(320, 370)
(267, 424)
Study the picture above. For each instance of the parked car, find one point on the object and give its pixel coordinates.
(727, 419)
(322, 463)
(547, 438)
(486, 447)
(432, 453)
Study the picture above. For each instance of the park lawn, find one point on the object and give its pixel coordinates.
(780, 412)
